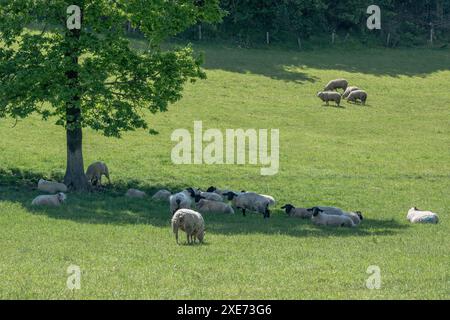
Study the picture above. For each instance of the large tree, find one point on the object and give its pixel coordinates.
(90, 76)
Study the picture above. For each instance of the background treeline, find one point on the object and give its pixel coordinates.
(303, 22)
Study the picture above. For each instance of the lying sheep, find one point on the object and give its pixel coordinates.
(208, 206)
(356, 216)
(95, 172)
(327, 96)
(53, 200)
(321, 219)
(135, 193)
(250, 201)
(297, 212)
(419, 216)
(51, 186)
(354, 96)
(348, 91)
(218, 191)
(180, 200)
(336, 84)
(205, 195)
(162, 195)
(190, 222)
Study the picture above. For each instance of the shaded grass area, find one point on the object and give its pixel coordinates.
(381, 159)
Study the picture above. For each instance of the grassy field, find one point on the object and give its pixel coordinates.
(381, 159)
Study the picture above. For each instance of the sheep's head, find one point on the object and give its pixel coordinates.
(201, 236)
(191, 192)
(315, 211)
(211, 189)
(319, 94)
(230, 195)
(359, 213)
(61, 197)
(288, 208)
(198, 197)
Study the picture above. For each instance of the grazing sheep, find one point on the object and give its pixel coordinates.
(354, 96)
(348, 91)
(180, 200)
(209, 206)
(336, 84)
(95, 172)
(297, 212)
(135, 193)
(162, 195)
(250, 201)
(51, 186)
(327, 96)
(321, 219)
(191, 222)
(419, 216)
(53, 200)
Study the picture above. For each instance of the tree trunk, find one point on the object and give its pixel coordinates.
(75, 179)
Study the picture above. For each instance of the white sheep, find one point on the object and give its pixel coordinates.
(328, 96)
(135, 193)
(419, 216)
(356, 216)
(321, 219)
(197, 194)
(209, 206)
(336, 84)
(51, 186)
(162, 195)
(297, 212)
(348, 91)
(191, 222)
(180, 200)
(53, 200)
(250, 201)
(356, 95)
(95, 172)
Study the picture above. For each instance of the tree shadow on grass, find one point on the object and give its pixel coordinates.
(292, 65)
(110, 206)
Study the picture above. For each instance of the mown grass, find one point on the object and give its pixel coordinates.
(381, 159)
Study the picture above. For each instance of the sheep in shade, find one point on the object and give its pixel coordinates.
(250, 201)
(135, 193)
(51, 186)
(95, 172)
(162, 195)
(321, 219)
(53, 200)
(292, 211)
(209, 206)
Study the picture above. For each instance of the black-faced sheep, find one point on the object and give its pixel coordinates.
(328, 96)
(190, 222)
(419, 216)
(51, 186)
(297, 212)
(354, 96)
(95, 172)
(53, 200)
(180, 200)
(321, 219)
(250, 201)
(336, 84)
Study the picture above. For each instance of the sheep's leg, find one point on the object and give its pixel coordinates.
(176, 236)
(243, 212)
(188, 238)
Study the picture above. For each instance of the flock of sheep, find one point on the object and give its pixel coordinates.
(188, 206)
(352, 94)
